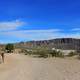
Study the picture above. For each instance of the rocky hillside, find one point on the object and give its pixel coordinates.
(59, 43)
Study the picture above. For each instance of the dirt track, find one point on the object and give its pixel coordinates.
(20, 67)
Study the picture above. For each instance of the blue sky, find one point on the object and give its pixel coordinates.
(24, 20)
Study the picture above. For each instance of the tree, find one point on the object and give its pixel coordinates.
(9, 48)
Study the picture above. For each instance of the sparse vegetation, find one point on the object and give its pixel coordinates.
(9, 48)
(45, 53)
(71, 54)
(55, 53)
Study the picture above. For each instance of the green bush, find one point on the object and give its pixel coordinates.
(71, 54)
(60, 54)
(40, 53)
(45, 53)
(55, 53)
(9, 48)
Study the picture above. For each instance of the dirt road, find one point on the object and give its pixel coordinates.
(21, 67)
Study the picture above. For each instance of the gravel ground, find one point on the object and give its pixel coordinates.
(21, 67)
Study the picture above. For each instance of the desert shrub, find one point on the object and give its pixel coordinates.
(29, 53)
(23, 51)
(60, 54)
(55, 53)
(71, 54)
(41, 53)
(45, 53)
(9, 48)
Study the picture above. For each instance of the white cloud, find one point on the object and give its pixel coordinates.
(10, 31)
(32, 34)
(10, 25)
(39, 34)
(76, 29)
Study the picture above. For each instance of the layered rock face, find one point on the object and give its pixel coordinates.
(67, 43)
(59, 43)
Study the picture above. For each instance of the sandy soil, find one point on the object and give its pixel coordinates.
(21, 67)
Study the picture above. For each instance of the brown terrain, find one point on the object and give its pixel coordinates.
(59, 43)
(21, 67)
